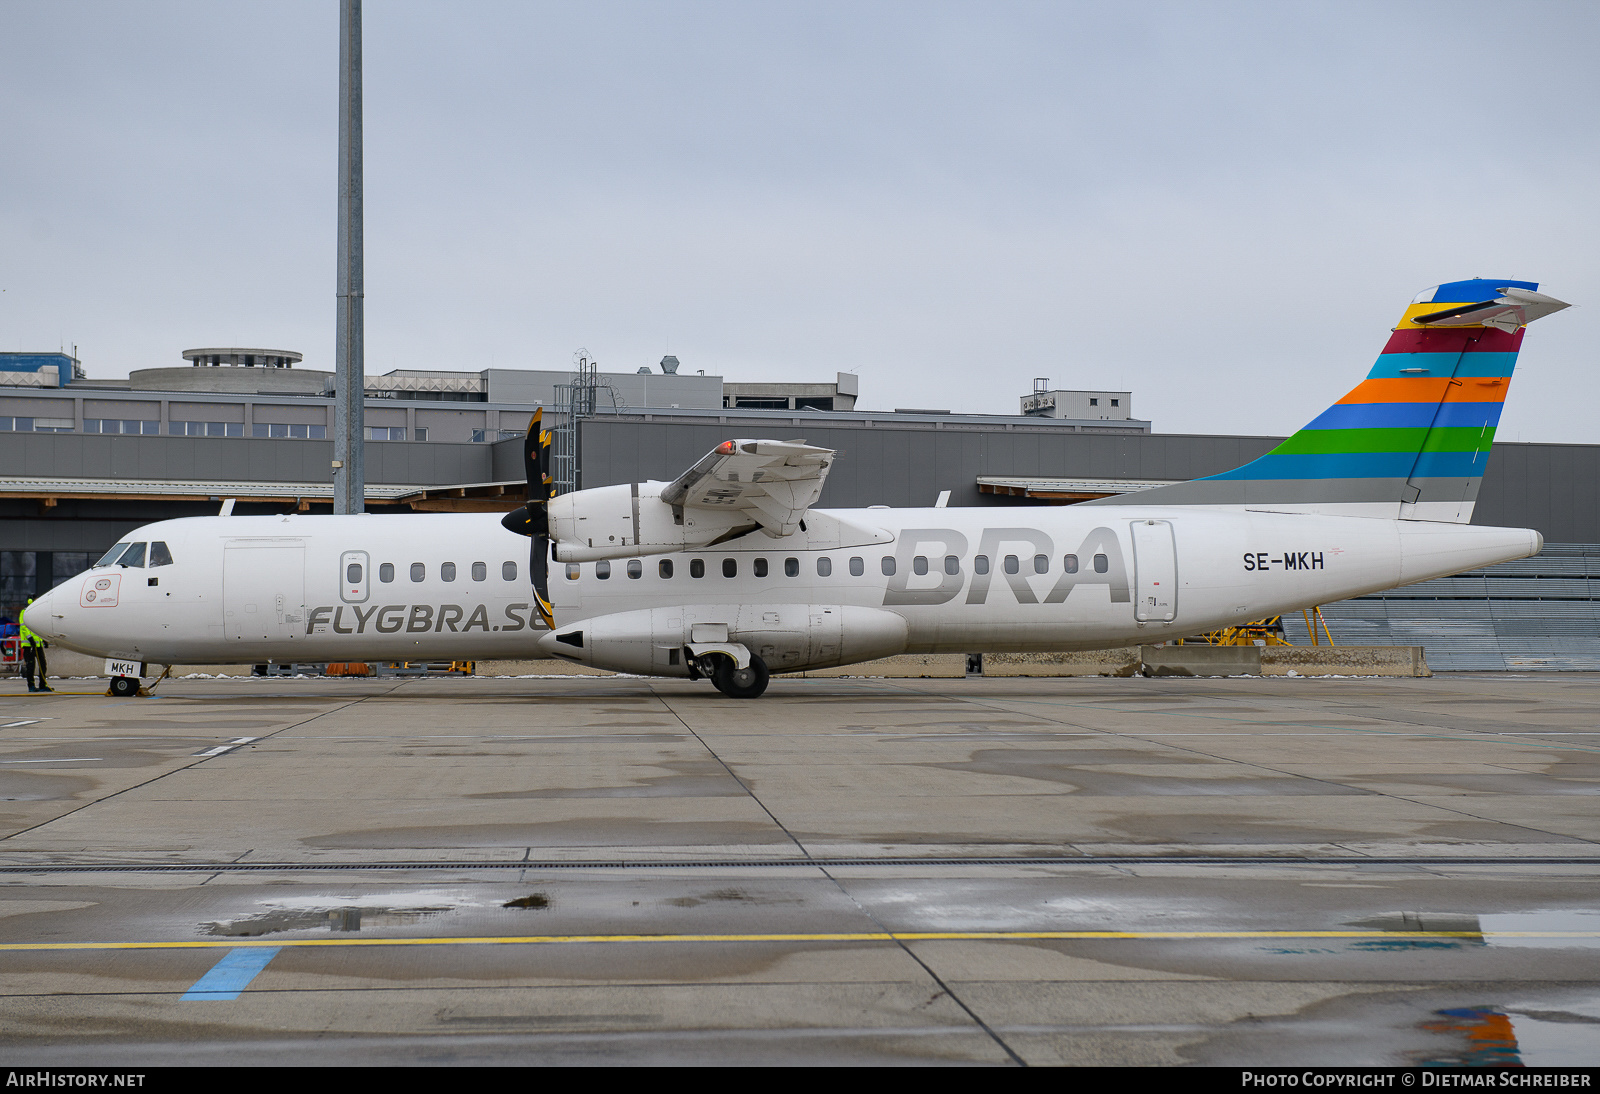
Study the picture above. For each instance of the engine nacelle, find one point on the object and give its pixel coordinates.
(788, 637)
(630, 520)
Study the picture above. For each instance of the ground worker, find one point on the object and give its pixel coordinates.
(33, 650)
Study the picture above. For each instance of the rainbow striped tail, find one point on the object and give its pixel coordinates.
(1411, 441)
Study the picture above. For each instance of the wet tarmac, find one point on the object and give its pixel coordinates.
(586, 870)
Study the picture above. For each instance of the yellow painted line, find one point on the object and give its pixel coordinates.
(869, 936)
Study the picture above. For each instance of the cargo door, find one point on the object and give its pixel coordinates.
(1155, 563)
(263, 591)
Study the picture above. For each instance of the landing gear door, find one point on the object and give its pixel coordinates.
(354, 574)
(1155, 562)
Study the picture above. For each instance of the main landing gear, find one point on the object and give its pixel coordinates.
(737, 683)
(124, 686)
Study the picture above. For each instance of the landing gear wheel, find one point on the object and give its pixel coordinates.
(745, 683)
(124, 686)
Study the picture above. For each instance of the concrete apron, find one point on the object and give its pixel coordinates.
(1128, 661)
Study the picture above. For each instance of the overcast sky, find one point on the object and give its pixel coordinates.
(1220, 206)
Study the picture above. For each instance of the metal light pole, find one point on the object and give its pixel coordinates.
(349, 464)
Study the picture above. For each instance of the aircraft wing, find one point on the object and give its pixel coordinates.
(773, 483)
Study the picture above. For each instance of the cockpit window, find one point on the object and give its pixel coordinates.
(133, 556)
(159, 555)
(111, 556)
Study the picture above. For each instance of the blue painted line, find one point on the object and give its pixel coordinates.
(231, 975)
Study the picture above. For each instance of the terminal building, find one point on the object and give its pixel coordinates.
(84, 461)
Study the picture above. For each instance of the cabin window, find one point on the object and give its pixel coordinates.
(697, 567)
(887, 565)
(1069, 563)
(352, 573)
(1101, 564)
(791, 567)
(857, 567)
(159, 555)
(1012, 565)
(419, 572)
(133, 556)
(665, 568)
(824, 566)
(1041, 564)
(572, 571)
(447, 571)
(635, 569)
(508, 571)
(480, 571)
(919, 565)
(980, 564)
(760, 567)
(952, 564)
(602, 570)
(730, 567)
(386, 572)
(111, 556)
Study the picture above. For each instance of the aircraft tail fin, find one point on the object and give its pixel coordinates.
(1412, 439)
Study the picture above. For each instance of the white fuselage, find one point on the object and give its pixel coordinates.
(849, 586)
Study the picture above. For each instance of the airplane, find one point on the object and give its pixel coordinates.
(730, 573)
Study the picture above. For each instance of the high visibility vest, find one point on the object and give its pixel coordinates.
(28, 637)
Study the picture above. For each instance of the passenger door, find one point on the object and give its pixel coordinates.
(1155, 562)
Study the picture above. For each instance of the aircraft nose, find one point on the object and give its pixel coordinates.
(36, 617)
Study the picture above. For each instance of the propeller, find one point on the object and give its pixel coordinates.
(533, 518)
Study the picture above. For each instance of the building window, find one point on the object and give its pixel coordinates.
(116, 425)
(422, 432)
(378, 432)
(1094, 402)
(16, 425)
(205, 429)
(293, 432)
(1116, 402)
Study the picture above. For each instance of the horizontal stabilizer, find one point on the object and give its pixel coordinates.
(1512, 308)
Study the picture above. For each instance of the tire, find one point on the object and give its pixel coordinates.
(124, 686)
(746, 683)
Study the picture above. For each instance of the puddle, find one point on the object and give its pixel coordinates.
(343, 914)
(532, 900)
(1491, 1036)
(1559, 930)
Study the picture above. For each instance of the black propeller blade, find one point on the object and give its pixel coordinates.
(533, 518)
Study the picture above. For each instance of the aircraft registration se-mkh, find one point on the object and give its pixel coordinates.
(729, 573)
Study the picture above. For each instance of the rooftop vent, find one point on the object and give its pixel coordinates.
(669, 365)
